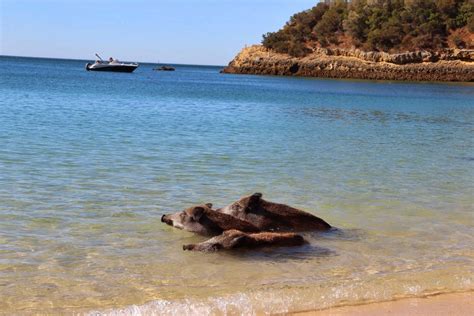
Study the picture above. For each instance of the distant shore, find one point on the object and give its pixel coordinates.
(442, 304)
(449, 65)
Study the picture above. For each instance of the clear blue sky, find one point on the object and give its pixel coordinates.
(173, 31)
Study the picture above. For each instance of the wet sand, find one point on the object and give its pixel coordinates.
(442, 304)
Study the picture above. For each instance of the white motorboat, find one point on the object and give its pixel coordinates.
(111, 65)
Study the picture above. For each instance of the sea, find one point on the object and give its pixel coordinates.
(90, 161)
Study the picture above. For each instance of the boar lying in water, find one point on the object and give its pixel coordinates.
(231, 239)
(203, 220)
(270, 216)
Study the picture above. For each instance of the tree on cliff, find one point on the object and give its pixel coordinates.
(380, 25)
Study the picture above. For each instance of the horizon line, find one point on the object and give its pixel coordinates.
(142, 62)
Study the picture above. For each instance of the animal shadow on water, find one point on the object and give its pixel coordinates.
(351, 234)
(281, 254)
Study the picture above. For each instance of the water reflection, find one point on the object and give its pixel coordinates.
(281, 254)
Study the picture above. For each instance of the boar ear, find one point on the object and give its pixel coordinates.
(254, 198)
(209, 205)
(197, 213)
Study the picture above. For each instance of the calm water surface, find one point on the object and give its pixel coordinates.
(90, 161)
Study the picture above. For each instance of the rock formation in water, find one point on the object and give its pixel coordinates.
(445, 65)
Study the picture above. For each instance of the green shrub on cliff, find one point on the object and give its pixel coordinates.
(381, 25)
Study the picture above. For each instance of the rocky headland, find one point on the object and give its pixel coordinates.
(445, 65)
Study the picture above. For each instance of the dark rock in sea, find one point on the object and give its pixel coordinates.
(165, 68)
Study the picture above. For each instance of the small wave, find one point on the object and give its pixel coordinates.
(287, 298)
(233, 304)
(260, 303)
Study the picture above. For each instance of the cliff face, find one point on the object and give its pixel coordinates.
(448, 65)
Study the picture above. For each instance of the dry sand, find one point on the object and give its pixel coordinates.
(442, 304)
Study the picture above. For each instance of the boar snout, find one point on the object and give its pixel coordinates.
(166, 220)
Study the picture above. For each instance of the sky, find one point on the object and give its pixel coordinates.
(203, 32)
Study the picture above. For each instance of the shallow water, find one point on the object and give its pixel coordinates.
(90, 161)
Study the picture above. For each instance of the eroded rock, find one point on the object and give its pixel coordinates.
(446, 65)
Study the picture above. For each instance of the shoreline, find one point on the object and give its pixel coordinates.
(456, 303)
(450, 303)
(339, 64)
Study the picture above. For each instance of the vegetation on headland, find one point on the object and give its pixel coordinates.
(377, 25)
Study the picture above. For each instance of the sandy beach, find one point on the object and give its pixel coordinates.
(441, 304)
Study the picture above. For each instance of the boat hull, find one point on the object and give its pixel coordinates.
(112, 68)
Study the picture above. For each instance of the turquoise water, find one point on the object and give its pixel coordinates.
(90, 161)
